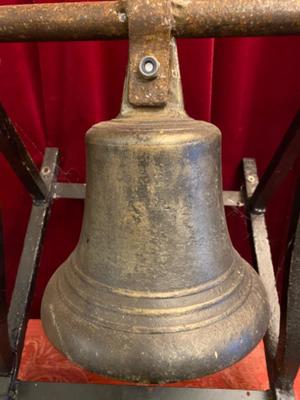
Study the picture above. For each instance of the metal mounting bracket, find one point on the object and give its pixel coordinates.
(149, 25)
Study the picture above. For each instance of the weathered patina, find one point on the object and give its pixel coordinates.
(154, 291)
(109, 19)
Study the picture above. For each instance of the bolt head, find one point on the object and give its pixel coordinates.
(46, 170)
(149, 67)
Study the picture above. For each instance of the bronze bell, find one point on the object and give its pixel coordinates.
(154, 291)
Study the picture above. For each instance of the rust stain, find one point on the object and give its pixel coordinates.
(109, 19)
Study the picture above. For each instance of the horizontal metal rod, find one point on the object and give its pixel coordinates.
(108, 19)
(65, 391)
(73, 191)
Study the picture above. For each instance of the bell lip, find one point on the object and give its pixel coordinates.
(222, 357)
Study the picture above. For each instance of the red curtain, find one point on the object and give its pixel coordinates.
(248, 87)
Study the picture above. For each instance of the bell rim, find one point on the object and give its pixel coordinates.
(206, 363)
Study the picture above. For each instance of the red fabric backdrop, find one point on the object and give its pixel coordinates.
(54, 92)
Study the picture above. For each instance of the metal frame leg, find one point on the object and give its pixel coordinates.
(264, 265)
(5, 350)
(40, 186)
(24, 285)
(19, 159)
(282, 340)
(288, 357)
(280, 165)
(27, 271)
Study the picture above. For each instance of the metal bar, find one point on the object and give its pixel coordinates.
(108, 19)
(288, 357)
(15, 153)
(283, 394)
(69, 190)
(233, 198)
(5, 351)
(63, 21)
(265, 267)
(22, 294)
(63, 391)
(281, 163)
(4, 387)
(220, 18)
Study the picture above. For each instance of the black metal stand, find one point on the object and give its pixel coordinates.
(282, 344)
